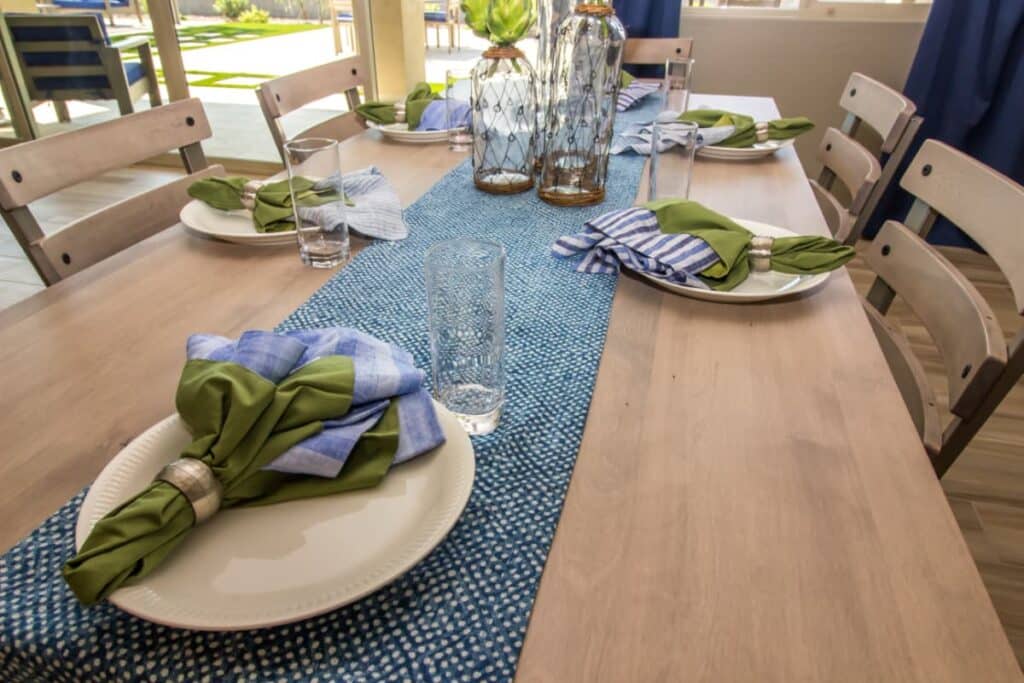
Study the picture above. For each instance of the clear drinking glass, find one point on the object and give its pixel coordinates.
(456, 93)
(673, 145)
(466, 311)
(677, 83)
(314, 178)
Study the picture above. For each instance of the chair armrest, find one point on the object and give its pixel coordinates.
(130, 43)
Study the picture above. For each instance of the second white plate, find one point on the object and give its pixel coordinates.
(264, 566)
(399, 132)
(758, 151)
(757, 286)
(230, 226)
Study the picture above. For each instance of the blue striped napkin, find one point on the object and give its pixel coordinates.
(373, 207)
(383, 373)
(631, 238)
(634, 92)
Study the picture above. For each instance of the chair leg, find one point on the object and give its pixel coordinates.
(124, 105)
(61, 107)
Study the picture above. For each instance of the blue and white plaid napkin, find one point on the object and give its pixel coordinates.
(631, 238)
(435, 116)
(376, 210)
(637, 136)
(634, 92)
(383, 373)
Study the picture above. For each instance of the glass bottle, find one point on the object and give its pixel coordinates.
(504, 121)
(581, 109)
(550, 14)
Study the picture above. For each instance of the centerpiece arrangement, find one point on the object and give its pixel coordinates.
(503, 96)
(582, 96)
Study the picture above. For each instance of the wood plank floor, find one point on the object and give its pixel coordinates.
(985, 487)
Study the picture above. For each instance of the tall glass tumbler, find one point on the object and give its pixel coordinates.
(314, 181)
(466, 312)
(673, 146)
(677, 84)
(457, 88)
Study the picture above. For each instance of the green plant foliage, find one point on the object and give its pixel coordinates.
(231, 9)
(503, 22)
(254, 15)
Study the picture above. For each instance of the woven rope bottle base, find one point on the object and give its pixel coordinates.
(575, 199)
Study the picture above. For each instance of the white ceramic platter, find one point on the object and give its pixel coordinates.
(757, 286)
(399, 132)
(758, 151)
(264, 566)
(230, 226)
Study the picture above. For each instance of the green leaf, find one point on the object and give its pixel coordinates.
(475, 12)
(509, 20)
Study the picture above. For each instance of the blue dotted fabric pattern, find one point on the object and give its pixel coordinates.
(461, 614)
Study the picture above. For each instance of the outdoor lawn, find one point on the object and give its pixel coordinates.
(209, 35)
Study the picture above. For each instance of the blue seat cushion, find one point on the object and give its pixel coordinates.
(435, 16)
(344, 16)
(88, 4)
(133, 70)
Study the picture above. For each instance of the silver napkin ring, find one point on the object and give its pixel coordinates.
(249, 191)
(761, 131)
(761, 253)
(197, 483)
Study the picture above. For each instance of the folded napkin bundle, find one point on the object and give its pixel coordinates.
(424, 110)
(277, 417)
(366, 201)
(739, 130)
(685, 243)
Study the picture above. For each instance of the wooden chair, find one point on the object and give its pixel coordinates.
(33, 170)
(108, 7)
(70, 57)
(893, 117)
(284, 95)
(656, 51)
(343, 26)
(847, 160)
(981, 368)
(438, 14)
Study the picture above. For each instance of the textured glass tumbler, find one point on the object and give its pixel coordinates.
(314, 180)
(673, 145)
(466, 312)
(678, 83)
(456, 94)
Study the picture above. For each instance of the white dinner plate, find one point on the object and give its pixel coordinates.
(263, 566)
(230, 226)
(757, 286)
(758, 151)
(399, 132)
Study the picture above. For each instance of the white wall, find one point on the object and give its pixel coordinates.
(802, 62)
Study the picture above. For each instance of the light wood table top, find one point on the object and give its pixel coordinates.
(750, 502)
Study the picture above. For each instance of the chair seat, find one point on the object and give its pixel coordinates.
(910, 378)
(345, 16)
(439, 17)
(89, 4)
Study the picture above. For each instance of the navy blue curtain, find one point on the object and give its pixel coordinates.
(649, 19)
(968, 83)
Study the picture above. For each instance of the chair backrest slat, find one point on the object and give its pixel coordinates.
(641, 51)
(116, 227)
(41, 167)
(957, 317)
(983, 203)
(288, 93)
(885, 110)
(856, 167)
(284, 95)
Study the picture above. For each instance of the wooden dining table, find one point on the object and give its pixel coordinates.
(750, 501)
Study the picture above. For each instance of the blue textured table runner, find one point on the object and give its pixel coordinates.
(461, 614)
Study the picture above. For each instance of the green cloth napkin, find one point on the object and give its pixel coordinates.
(273, 210)
(625, 78)
(415, 102)
(239, 423)
(804, 255)
(746, 132)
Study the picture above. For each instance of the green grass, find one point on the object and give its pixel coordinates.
(213, 79)
(232, 31)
